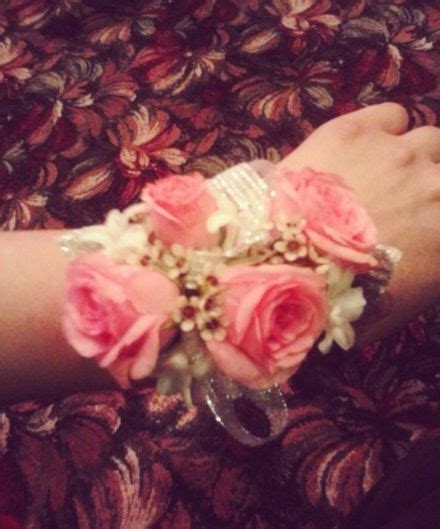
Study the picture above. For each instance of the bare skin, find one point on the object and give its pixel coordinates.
(35, 360)
(395, 173)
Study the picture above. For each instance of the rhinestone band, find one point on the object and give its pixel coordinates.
(245, 188)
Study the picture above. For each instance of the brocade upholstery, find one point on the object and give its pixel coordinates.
(96, 99)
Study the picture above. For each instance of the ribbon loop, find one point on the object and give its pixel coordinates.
(221, 394)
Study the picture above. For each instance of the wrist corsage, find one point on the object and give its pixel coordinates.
(220, 288)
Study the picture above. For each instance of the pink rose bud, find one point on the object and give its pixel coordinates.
(335, 221)
(116, 313)
(275, 314)
(180, 207)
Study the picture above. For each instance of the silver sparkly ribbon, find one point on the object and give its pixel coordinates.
(222, 393)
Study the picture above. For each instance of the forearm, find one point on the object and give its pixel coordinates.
(400, 190)
(35, 360)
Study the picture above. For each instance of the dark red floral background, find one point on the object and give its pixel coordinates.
(98, 97)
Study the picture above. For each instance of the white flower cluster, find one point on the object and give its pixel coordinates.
(123, 237)
(346, 305)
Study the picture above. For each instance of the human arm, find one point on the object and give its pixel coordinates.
(35, 359)
(395, 175)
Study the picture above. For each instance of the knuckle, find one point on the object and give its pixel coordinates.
(397, 110)
(426, 132)
(403, 155)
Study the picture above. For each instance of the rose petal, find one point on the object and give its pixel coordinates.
(151, 292)
(233, 363)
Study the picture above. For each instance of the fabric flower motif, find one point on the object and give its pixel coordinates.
(305, 22)
(172, 66)
(395, 35)
(117, 314)
(139, 486)
(85, 93)
(275, 313)
(35, 14)
(287, 93)
(14, 65)
(18, 209)
(335, 221)
(361, 414)
(144, 139)
(106, 29)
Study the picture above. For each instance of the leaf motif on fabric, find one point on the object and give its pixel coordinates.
(140, 491)
(365, 28)
(20, 209)
(262, 41)
(88, 179)
(202, 145)
(13, 58)
(320, 97)
(271, 100)
(45, 121)
(4, 433)
(49, 84)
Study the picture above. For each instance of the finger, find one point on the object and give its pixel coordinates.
(389, 117)
(425, 141)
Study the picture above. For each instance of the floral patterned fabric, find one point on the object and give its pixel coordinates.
(98, 97)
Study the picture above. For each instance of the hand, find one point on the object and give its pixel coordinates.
(396, 175)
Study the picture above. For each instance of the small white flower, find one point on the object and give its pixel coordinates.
(186, 313)
(119, 238)
(176, 261)
(346, 306)
(198, 308)
(291, 243)
(289, 227)
(292, 249)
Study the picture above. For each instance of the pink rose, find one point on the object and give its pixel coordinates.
(115, 314)
(180, 207)
(335, 221)
(275, 315)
